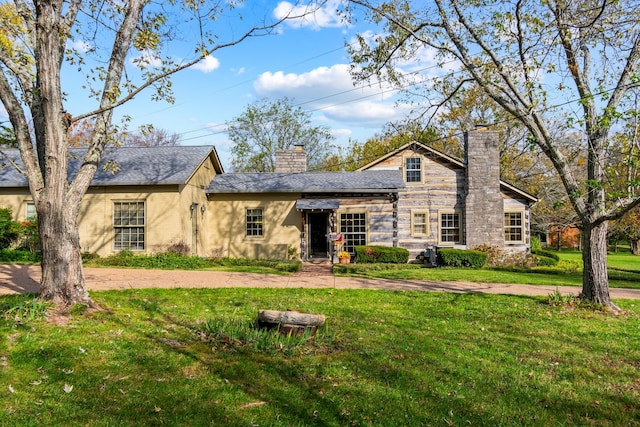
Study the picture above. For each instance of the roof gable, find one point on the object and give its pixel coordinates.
(447, 160)
(432, 152)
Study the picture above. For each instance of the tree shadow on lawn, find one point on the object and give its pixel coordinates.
(457, 363)
(236, 385)
(19, 279)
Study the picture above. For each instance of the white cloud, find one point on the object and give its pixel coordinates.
(341, 133)
(310, 15)
(80, 46)
(320, 86)
(207, 65)
(330, 91)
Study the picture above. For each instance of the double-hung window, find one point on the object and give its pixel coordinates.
(353, 227)
(129, 225)
(413, 169)
(513, 227)
(419, 223)
(449, 227)
(31, 214)
(253, 223)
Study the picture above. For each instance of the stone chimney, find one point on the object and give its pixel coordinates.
(291, 161)
(484, 206)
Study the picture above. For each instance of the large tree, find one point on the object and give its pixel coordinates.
(97, 39)
(267, 126)
(539, 61)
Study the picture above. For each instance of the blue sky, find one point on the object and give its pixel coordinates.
(305, 61)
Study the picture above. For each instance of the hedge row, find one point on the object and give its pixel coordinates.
(546, 258)
(381, 254)
(450, 257)
(547, 254)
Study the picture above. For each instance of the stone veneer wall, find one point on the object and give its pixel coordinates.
(484, 206)
(290, 161)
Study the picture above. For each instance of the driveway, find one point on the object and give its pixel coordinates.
(24, 278)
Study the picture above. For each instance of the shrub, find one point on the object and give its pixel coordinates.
(179, 248)
(381, 254)
(292, 253)
(495, 255)
(548, 254)
(29, 231)
(535, 244)
(498, 257)
(19, 256)
(462, 258)
(174, 261)
(89, 257)
(9, 229)
(544, 261)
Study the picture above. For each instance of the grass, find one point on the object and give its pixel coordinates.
(186, 357)
(173, 261)
(624, 272)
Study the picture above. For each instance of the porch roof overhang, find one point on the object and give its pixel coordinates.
(317, 204)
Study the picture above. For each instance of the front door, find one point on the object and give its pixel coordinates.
(318, 235)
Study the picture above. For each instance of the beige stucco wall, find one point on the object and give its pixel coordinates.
(167, 209)
(167, 217)
(16, 200)
(226, 231)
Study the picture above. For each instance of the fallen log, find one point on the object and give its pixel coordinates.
(290, 321)
(291, 317)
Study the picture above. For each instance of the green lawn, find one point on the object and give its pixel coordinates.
(387, 359)
(624, 272)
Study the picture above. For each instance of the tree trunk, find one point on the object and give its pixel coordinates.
(595, 280)
(63, 279)
(635, 247)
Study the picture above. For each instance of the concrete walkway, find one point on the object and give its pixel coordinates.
(22, 279)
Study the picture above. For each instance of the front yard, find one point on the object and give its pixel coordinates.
(387, 358)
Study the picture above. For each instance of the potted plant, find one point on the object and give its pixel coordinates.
(344, 257)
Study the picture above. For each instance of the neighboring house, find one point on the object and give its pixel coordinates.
(563, 237)
(145, 200)
(413, 197)
(451, 203)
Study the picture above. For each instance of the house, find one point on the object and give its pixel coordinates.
(413, 197)
(452, 203)
(155, 197)
(311, 214)
(563, 236)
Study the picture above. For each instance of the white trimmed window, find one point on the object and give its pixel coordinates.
(419, 223)
(449, 227)
(353, 227)
(254, 223)
(413, 169)
(129, 225)
(514, 227)
(30, 212)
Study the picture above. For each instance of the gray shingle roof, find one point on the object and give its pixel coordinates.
(308, 182)
(138, 165)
